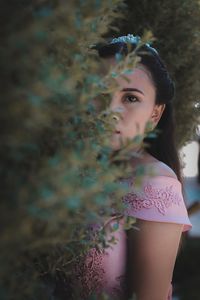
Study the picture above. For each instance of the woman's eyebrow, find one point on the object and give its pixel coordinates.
(132, 90)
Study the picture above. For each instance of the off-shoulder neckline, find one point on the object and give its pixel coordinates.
(154, 163)
(173, 178)
(147, 177)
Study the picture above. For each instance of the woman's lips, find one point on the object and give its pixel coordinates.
(117, 131)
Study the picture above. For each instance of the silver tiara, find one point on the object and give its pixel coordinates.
(130, 38)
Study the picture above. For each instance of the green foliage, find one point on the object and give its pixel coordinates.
(175, 25)
(57, 169)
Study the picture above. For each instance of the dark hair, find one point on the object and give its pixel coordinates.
(163, 146)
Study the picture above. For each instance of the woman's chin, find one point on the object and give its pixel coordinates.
(115, 147)
(115, 142)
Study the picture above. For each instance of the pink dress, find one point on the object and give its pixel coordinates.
(158, 199)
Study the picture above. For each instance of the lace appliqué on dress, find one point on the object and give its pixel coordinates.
(89, 273)
(161, 198)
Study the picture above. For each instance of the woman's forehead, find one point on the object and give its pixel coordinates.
(140, 77)
(139, 71)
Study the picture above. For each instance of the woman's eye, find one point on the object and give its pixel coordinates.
(131, 98)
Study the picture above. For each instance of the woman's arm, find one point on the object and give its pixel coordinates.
(152, 253)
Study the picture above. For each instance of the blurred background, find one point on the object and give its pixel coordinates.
(186, 274)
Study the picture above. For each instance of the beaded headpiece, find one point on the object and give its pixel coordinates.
(132, 39)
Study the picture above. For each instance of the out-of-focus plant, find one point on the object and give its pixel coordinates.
(58, 171)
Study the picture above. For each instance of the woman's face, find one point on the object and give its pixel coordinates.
(136, 102)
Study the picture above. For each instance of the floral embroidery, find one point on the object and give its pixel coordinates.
(161, 198)
(89, 273)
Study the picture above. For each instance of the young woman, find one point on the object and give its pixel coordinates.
(142, 261)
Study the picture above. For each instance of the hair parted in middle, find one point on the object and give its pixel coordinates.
(163, 146)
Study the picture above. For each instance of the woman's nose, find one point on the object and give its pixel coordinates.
(115, 108)
(115, 117)
(117, 112)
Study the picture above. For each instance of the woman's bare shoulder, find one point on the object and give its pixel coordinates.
(162, 169)
(158, 167)
(153, 166)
